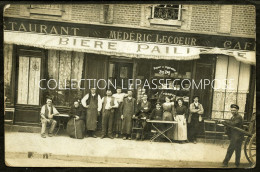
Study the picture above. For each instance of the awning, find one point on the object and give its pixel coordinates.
(120, 48)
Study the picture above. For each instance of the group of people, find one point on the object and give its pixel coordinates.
(118, 110)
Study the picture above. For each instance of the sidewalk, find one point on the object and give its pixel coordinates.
(114, 150)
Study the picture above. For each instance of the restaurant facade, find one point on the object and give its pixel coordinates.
(158, 49)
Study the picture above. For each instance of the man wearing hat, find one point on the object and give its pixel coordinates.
(236, 137)
(143, 110)
(129, 109)
(109, 103)
(93, 104)
(47, 113)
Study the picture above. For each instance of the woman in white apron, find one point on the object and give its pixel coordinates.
(180, 132)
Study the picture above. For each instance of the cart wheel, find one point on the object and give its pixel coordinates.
(252, 149)
(246, 149)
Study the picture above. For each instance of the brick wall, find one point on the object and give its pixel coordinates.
(127, 14)
(196, 18)
(13, 10)
(204, 18)
(85, 12)
(243, 20)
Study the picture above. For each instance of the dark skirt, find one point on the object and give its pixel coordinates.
(117, 124)
(76, 128)
(167, 116)
(91, 119)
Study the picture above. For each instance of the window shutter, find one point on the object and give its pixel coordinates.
(110, 14)
(106, 14)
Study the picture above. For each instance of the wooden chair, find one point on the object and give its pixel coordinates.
(136, 127)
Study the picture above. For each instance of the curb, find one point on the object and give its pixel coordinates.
(130, 161)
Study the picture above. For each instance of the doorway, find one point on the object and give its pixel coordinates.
(119, 73)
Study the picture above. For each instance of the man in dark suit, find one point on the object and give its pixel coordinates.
(236, 137)
(143, 109)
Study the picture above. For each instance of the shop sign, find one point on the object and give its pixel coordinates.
(120, 48)
(128, 34)
(164, 70)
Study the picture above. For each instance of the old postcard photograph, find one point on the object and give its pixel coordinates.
(169, 85)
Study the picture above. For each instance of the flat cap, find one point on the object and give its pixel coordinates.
(234, 106)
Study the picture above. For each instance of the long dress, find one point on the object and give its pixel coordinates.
(128, 110)
(76, 128)
(168, 112)
(180, 131)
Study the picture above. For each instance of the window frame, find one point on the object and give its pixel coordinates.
(170, 22)
(46, 11)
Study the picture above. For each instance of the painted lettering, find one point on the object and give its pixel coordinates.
(227, 44)
(53, 30)
(237, 46)
(112, 45)
(30, 28)
(155, 48)
(98, 43)
(112, 35)
(193, 42)
(43, 28)
(12, 24)
(63, 41)
(84, 43)
(142, 46)
(75, 31)
(22, 28)
(64, 30)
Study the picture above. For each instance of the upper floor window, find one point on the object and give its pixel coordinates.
(55, 10)
(166, 14)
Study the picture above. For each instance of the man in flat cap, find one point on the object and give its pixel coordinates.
(93, 104)
(236, 137)
(47, 113)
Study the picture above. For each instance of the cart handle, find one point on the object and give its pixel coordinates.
(239, 129)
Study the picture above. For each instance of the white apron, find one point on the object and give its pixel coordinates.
(180, 131)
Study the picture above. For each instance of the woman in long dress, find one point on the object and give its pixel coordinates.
(76, 124)
(168, 114)
(180, 131)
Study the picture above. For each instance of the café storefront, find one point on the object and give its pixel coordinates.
(61, 60)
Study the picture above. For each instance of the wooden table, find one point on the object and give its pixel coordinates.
(61, 118)
(159, 131)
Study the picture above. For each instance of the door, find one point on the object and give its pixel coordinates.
(205, 68)
(119, 74)
(28, 93)
(28, 80)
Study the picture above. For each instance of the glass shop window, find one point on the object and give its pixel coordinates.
(234, 90)
(171, 79)
(64, 75)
